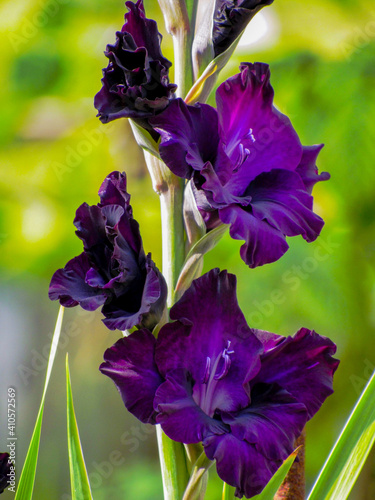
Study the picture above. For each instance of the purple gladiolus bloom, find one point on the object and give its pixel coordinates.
(4, 471)
(135, 83)
(113, 270)
(245, 394)
(232, 17)
(247, 165)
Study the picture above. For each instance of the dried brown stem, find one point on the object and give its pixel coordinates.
(293, 487)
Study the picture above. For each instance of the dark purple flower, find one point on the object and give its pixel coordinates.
(5, 469)
(232, 17)
(135, 83)
(245, 393)
(113, 270)
(247, 164)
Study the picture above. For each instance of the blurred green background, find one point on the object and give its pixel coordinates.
(55, 154)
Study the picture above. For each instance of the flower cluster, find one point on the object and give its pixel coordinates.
(207, 377)
(245, 394)
(246, 163)
(113, 270)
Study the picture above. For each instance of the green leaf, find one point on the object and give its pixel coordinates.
(206, 82)
(277, 479)
(79, 480)
(194, 260)
(27, 478)
(349, 454)
(144, 139)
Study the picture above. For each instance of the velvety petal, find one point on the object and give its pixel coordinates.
(279, 197)
(302, 364)
(256, 136)
(307, 168)
(261, 437)
(90, 224)
(128, 248)
(130, 364)
(240, 464)
(144, 31)
(140, 301)
(231, 19)
(180, 417)
(211, 340)
(272, 422)
(113, 190)
(135, 83)
(263, 243)
(189, 136)
(69, 286)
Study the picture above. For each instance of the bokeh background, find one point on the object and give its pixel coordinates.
(55, 154)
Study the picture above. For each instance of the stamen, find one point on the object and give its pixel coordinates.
(227, 362)
(207, 371)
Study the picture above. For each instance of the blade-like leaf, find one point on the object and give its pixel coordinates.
(79, 480)
(27, 478)
(206, 82)
(194, 260)
(272, 486)
(276, 480)
(349, 454)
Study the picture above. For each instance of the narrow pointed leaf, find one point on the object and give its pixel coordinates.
(26, 482)
(277, 479)
(202, 88)
(349, 454)
(79, 480)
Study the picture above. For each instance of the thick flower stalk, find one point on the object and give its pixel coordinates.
(247, 165)
(135, 82)
(113, 270)
(245, 394)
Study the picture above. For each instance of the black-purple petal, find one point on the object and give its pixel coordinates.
(135, 83)
(302, 364)
(212, 342)
(178, 413)
(113, 271)
(231, 19)
(130, 364)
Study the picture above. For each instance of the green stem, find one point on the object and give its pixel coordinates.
(173, 232)
(196, 487)
(173, 466)
(170, 189)
(180, 23)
